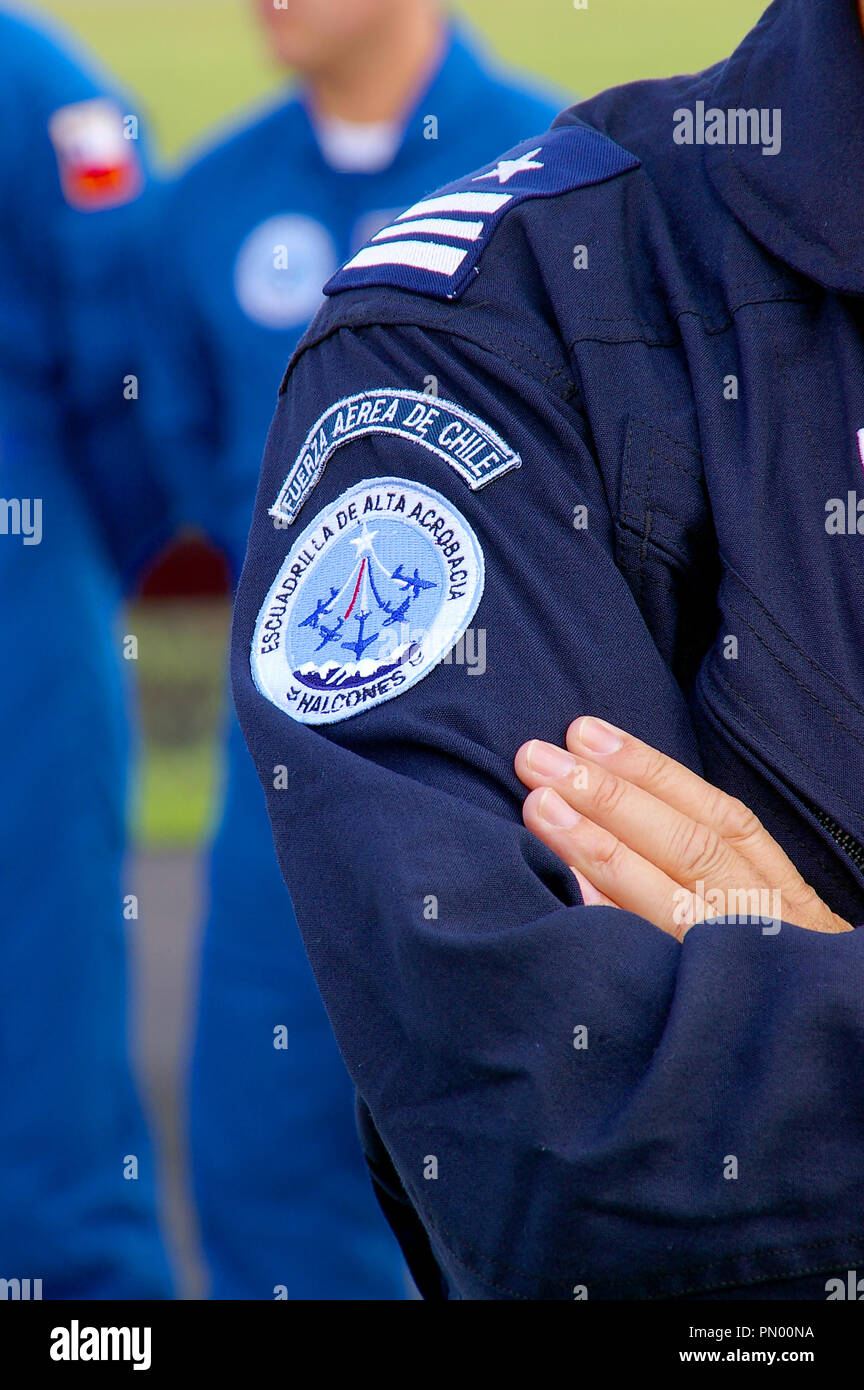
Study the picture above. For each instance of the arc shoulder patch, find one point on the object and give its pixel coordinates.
(434, 246)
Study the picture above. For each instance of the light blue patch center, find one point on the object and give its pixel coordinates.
(367, 607)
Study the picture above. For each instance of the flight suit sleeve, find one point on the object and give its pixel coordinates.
(181, 396)
(575, 1104)
(104, 377)
(84, 219)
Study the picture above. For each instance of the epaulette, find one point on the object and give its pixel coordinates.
(434, 247)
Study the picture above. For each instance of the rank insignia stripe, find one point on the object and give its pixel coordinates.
(435, 255)
(465, 442)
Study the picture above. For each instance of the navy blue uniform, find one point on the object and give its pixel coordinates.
(250, 233)
(77, 1202)
(653, 514)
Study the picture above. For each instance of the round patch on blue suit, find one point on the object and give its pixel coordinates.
(373, 594)
(281, 268)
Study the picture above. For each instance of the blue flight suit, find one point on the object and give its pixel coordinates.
(74, 1212)
(250, 233)
(655, 517)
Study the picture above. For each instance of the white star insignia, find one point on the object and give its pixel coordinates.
(364, 541)
(506, 168)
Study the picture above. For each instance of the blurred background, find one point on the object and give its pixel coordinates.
(193, 66)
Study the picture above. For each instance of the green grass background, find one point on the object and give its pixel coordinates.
(190, 64)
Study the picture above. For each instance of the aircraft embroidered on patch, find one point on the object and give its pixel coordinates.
(434, 246)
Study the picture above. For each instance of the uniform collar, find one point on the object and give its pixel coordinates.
(806, 203)
(450, 88)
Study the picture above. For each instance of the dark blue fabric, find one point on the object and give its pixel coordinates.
(72, 1211)
(283, 1193)
(706, 520)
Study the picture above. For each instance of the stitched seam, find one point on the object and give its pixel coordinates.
(796, 757)
(710, 331)
(514, 338)
(662, 556)
(815, 665)
(659, 580)
(663, 549)
(801, 685)
(655, 429)
(661, 325)
(520, 367)
(836, 869)
(680, 466)
(697, 477)
(352, 327)
(631, 518)
(643, 552)
(625, 473)
(505, 333)
(438, 330)
(670, 516)
(638, 520)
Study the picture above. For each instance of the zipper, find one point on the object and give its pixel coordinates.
(851, 848)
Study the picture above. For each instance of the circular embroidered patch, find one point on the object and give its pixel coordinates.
(281, 269)
(373, 594)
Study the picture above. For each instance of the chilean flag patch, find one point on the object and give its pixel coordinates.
(98, 165)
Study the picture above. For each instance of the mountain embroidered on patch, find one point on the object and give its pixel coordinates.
(434, 246)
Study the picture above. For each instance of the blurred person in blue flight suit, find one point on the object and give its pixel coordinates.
(392, 100)
(626, 1008)
(77, 1202)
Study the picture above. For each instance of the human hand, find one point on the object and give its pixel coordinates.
(643, 833)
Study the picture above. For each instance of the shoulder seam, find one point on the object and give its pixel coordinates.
(567, 393)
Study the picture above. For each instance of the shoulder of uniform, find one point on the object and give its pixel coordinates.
(433, 248)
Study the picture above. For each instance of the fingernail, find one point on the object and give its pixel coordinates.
(555, 811)
(548, 761)
(590, 895)
(599, 736)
